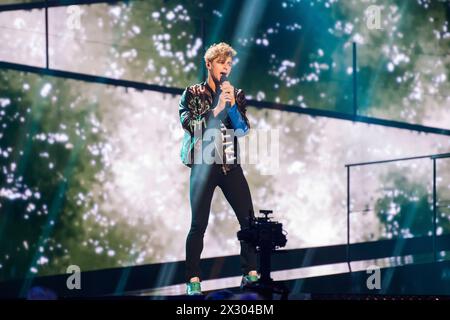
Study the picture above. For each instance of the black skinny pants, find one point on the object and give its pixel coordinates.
(203, 180)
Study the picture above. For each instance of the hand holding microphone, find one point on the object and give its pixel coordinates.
(226, 97)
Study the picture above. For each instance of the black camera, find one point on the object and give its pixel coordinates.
(263, 233)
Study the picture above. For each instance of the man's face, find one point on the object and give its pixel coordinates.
(220, 66)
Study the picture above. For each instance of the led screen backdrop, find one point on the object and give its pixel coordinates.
(300, 51)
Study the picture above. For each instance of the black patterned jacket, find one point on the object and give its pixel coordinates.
(196, 115)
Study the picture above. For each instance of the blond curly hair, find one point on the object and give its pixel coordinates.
(220, 50)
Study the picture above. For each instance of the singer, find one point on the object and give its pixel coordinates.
(213, 115)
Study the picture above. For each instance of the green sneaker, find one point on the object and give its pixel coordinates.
(248, 280)
(193, 289)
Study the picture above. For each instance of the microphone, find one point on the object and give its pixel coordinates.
(224, 78)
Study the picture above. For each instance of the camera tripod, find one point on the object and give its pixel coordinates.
(265, 286)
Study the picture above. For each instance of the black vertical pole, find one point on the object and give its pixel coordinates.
(355, 95)
(264, 263)
(46, 35)
(434, 211)
(348, 219)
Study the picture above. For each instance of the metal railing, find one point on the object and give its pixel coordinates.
(433, 158)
